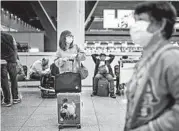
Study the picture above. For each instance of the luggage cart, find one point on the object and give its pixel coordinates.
(119, 86)
(47, 89)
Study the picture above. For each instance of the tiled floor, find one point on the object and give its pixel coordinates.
(37, 114)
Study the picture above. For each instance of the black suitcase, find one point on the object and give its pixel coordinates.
(68, 82)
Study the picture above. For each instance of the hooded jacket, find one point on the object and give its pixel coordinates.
(153, 93)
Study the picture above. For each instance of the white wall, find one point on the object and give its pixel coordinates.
(34, 39)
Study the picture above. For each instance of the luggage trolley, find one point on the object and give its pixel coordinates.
(124, 73)
(119, 86)
(47, 87)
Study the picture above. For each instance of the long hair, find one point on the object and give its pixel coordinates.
(62, 42)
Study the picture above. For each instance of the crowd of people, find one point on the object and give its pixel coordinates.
(40, 68)
(152, 92)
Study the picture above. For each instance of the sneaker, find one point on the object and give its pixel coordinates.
(15, 101)
(112, 95)
(118, 93)
(94, 94)
(6, 104)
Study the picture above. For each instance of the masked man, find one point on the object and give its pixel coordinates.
(153, 91)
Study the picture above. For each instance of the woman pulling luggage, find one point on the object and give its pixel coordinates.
(68, 82)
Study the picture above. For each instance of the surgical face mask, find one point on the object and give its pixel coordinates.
(69, 40)
(139, 33)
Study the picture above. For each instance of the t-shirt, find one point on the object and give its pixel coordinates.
(37, 67)
(69, 66)
(102, 63)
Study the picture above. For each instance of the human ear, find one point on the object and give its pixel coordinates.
(163, 26)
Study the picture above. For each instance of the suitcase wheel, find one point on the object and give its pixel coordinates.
(60, 126)
(78, 126)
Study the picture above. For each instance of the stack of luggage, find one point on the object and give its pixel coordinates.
(68, 88)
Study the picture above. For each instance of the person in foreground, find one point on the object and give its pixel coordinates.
(153, 91)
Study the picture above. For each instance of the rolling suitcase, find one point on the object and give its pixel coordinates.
(69, 110)
(103, 87)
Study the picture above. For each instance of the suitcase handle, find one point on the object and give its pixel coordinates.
(72, 60)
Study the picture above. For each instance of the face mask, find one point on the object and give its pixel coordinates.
(69, 40)
(139, 33)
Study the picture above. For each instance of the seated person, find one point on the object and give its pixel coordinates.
(39, 69)
(20, 72)
(107, 73)
(54, 69)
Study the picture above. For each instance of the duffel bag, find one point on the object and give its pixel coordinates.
(68, 82)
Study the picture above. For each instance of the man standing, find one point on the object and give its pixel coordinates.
(9, 54)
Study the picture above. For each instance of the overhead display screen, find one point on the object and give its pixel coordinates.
(117, 19)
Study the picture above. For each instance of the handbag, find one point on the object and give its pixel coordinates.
(83, 71)
(68, 82)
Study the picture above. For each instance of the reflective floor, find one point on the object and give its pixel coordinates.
(37, 114)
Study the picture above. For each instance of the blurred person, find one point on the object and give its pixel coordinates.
(68, 50)
(153, 91)
(20, 72)
(9, 54)
(103, 69)
(54, 69)
(39, 69)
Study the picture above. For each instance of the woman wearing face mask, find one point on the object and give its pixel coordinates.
(153, 91)
(67, 50)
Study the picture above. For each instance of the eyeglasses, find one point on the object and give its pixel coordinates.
(70, 36)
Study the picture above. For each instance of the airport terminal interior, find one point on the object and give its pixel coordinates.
(97, 27)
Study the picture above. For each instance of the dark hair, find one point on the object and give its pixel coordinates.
(125, 57)
(159, 10)
(102, 54)
(62, 42)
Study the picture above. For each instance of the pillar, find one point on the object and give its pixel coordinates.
(70, 16)
(50, 40)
